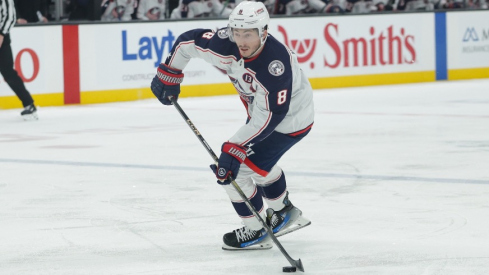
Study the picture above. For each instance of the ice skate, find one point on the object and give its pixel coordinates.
(287, 220)
(29, 112)
(246, 239)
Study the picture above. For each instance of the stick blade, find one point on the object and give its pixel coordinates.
(299, 265)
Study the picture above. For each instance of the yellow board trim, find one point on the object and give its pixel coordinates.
(228, 89)
(106, 96)
(460, 74)
(372, 79)
(144, 93)
(12, 102)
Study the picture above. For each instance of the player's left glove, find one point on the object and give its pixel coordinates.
(166, 83)
(232, 155)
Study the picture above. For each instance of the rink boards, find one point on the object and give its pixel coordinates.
(96, 63)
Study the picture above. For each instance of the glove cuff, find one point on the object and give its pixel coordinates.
(168, 75)
(234, 150)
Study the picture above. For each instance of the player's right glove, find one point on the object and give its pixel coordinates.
(232, 155)
(166, 83)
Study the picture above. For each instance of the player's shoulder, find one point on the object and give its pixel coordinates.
(274, 60)
(272, 67)
(274, 50)
(222, 35)
(221, 44)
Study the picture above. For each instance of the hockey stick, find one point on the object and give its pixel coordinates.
(295, 263)
(224, 7)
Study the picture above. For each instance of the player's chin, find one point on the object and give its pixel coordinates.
(245, 53)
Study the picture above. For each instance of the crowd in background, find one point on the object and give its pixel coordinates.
(31, 11)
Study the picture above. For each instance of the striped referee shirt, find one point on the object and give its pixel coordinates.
(7, 16)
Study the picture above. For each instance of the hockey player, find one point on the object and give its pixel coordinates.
(279, 103)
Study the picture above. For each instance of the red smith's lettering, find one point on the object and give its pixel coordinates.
(374, 49)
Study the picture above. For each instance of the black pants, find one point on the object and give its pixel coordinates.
(10, 75)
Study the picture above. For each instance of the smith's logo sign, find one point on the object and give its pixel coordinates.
(470, 35)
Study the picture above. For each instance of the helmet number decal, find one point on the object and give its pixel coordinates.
(208, 35)
(282, 97)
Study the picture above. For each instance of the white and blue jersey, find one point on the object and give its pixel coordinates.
(279, 103)
(273, 88)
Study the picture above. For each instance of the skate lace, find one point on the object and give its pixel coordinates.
(245, 234)
(276, 219)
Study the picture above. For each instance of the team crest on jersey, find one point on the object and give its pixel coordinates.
(223, 34)
(247, 78)
(276, 68)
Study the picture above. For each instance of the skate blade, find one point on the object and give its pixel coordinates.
(299, 223)
(267, 244)
(29, 117)
(252, 247)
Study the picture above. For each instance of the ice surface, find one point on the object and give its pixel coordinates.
(394, 178)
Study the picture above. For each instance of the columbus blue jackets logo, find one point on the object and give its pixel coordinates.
(276, 68)
(223, 34)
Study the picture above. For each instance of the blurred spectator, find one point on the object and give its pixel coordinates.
(452, 4)
(201, 8)
(117, 10)
(289, 7)
(78, 9)
(471, 5)
(379, 6)
(151, 9)
(400, 5)
(335, 6)
(359, 6)
(31, 11)
(419, 5)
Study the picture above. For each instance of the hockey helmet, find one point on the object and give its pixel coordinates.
(249, 15)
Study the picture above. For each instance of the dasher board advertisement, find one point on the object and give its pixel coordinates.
(468, 39)
(38, 59)
(358, 45)
(124, 56)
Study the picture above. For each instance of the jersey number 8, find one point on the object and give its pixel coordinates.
(281, 97)
(208, 35)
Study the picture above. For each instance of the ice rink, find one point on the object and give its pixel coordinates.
(394, 178)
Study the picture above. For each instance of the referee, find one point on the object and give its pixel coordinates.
(7, 21)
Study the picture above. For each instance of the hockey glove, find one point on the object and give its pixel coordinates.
(166, 83)
(232, 155)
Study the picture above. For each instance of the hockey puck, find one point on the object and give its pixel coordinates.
(289, 269)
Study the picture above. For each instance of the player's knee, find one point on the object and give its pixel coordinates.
(271, 177)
